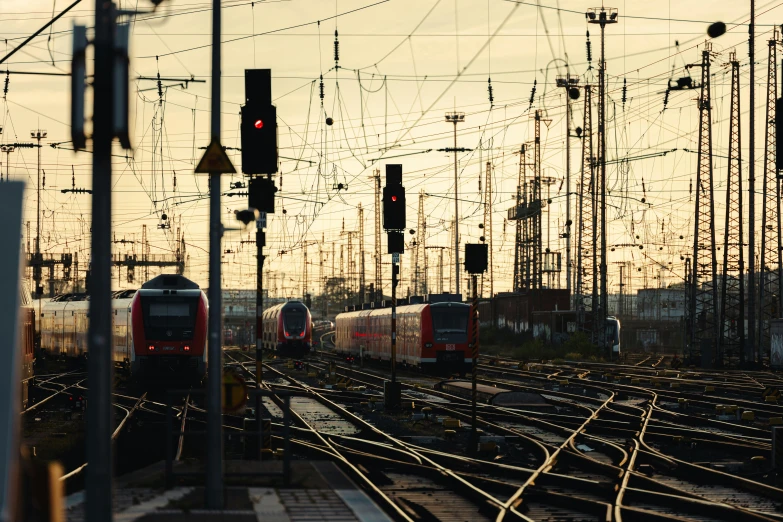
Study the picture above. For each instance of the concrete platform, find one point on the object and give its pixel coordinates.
(319, 490)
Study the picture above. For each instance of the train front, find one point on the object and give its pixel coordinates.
(294, 329)
(169, 317)
(447, 339)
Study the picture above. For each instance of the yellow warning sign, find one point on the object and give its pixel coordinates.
(234, 392)
(215, 160)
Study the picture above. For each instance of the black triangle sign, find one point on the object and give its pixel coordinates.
(215, 161)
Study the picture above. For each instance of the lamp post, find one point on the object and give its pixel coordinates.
(602, 16)
(455, 118)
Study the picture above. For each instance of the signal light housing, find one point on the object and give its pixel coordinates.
(394, 199)
(259, 138)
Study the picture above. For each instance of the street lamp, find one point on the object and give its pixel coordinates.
(455, 118)
(602, 16)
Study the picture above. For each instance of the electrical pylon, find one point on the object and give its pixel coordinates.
(378, 267)
(362, 289)
(731, 333)
(488, 229)
(586, 282)
(518, 272)
(419, 253)
(704, 304)
(531, 223)
(770, 290)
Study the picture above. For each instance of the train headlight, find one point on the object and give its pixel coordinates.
(152, 348)
(428, 345)
(186, 348)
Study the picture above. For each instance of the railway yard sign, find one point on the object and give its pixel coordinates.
(234, 392)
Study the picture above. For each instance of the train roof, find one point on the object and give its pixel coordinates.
(170, 282)
(385, 311)
(287, 304)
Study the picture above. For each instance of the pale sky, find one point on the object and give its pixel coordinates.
(435, 56)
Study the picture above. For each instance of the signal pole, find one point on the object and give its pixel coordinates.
(214, 464)
(100, 417)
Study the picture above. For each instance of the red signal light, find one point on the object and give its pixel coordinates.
(187, 348)
(152, 348)
(258, 124)
(394, 198)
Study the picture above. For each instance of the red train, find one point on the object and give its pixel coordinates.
(287, 328)
(158, 330)
(26, 341)
(434, 337)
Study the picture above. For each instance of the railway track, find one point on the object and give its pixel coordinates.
(622, 450)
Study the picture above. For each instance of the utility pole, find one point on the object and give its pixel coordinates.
(487, 225)
(440, 265)
(214, 464)
(704, 279)
(38, 135)
(602, 16)
(362, 289)
(99, 476)
(378, 266)
(455, 118)
(750, 356)
(769, 279)
(586, 252)
(517, 284)
(731, 327)
(572, 91)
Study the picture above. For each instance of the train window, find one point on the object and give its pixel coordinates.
(172, 318)
(448, 323)
(453, 320)
(294, 319)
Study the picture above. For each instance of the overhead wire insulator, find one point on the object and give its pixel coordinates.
(589, 52)
(336, 48)
(7, 81)
(489, 89)
(533, 93)
(321, 88)
(666, 99)
(625, 92)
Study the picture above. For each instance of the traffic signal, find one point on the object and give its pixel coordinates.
(395, 242)
(259, 138)
(261, 194)
(394, 199)
(475, 258)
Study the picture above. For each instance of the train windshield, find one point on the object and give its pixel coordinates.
(294, 319)
(169, 318)
(450, 324)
